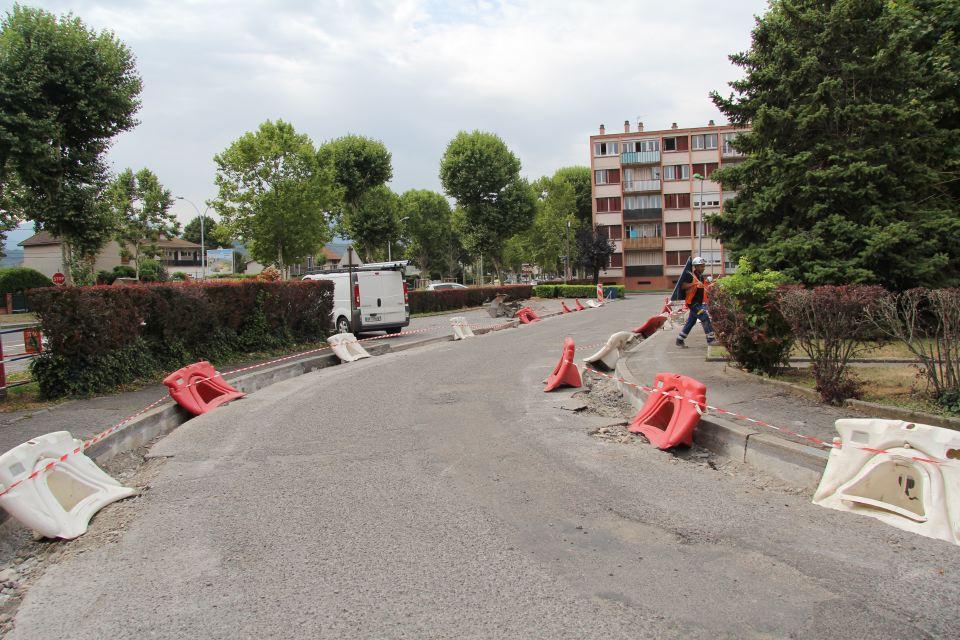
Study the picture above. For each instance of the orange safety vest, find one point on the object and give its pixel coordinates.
(692, 291)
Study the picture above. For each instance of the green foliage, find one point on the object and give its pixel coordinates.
(359, 164)
(374, 221)
(481, 173)
(213, 236)
(427, 228)
(152, 271)
(747, 320)
(65, 92)
(140, 207)
(179, 276)
(124, 271)
(574, 290)
(274, 193)
(553, 231)
(102, 337)
(853, 156)
(16, 279)
(595, 250)
(450, 299)
(579, 178)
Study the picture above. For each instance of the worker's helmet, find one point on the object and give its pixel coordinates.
(698, 260)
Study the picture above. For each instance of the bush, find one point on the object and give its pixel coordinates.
(102, 337)
(450, 299)
(17, 279)
(747, 321)
(179, 276)
(830, 324)
(124, 271)
(927, 322)
(574, 290)
(151, 271)
(270, 274)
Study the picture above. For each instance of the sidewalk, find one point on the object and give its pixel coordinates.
(731, 389)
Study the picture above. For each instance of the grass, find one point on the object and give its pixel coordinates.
(873, 351)
(17, 318)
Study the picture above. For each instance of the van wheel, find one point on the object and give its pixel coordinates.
(393, 330)
(343, 326)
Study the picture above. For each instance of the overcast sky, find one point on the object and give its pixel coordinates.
(412, 73)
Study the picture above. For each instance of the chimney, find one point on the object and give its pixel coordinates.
(626, 126)
(710, 124)
(602, 130)
(673, 126)
(639, 126)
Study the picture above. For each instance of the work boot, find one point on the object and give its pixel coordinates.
(680, 342)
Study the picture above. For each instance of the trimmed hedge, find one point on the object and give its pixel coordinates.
(451, 299)
(102, 337)
(574, 290)
(16, 279)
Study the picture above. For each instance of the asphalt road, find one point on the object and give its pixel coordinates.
(439, 493)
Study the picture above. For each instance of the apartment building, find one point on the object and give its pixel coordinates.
(650, 189)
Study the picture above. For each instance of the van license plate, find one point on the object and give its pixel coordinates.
(373, 317)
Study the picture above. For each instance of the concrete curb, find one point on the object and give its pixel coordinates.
(163, 419)
(794, 463)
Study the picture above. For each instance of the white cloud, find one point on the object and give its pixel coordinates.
(542, 75)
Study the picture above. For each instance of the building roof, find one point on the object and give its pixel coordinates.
(330, 254)
(46, 238)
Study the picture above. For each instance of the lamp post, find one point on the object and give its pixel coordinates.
(700, 251)
(203, 251)
(390, 241)
(566, 266)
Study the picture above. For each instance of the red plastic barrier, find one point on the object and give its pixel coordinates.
(669, 421)
(198, 388)
(566, 309)
(580, 307)
(651, 326)
(527, 315)
(566, 372)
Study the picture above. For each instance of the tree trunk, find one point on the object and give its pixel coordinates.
(65, 259)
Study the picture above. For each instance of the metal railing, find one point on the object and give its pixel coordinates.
(640, 157)
(654, 242)
(641, 185)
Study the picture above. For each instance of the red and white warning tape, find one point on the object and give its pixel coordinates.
(762, 423)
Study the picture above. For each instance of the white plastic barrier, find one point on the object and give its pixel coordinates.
(594, 304)
(613, 350)
(347, 348)
(57, 502)
(461, 329)
(897, 481)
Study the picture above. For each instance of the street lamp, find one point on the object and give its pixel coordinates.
(390, 241)
(701, 178)
(203, 251)
(566, 266)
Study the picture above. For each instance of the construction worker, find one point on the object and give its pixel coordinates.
(694, 286)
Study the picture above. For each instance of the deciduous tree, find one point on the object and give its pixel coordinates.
(274, 194)
(375, 221)
(140, 207)
(595, 250)
(427, 228)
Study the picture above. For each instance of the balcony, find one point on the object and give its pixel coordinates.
(640, 157)
(645, 270)
(633, 186)
(642, 243)
(643, 214)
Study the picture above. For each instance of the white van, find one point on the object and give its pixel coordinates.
(378, 295)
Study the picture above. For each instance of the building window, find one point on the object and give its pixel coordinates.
(613, 232)
(711, 257)
(677, 229)
(704, 141)
(676, 172)
(608, 204)
(677, 258)
(643, 202)
(678, 143)
(728, 139)
(705, 168)
(705, 229)
(607, 176)
(677, 200)
(641, 258)
(616, 260)
(710, 199)
(643, 230)
(606, 148)
(633, 146)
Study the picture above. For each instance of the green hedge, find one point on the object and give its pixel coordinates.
(16, 279)
(103, 337)
(451, 299)
(574, 290)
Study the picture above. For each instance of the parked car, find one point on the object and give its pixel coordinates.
(442, 286)
(380, 300)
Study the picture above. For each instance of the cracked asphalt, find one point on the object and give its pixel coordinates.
(439, 493)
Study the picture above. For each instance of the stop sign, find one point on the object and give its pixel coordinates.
(59, 278)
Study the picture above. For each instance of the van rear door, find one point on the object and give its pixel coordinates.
(382, 301)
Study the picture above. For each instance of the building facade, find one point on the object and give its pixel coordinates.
(43, 252)
(650, 191)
